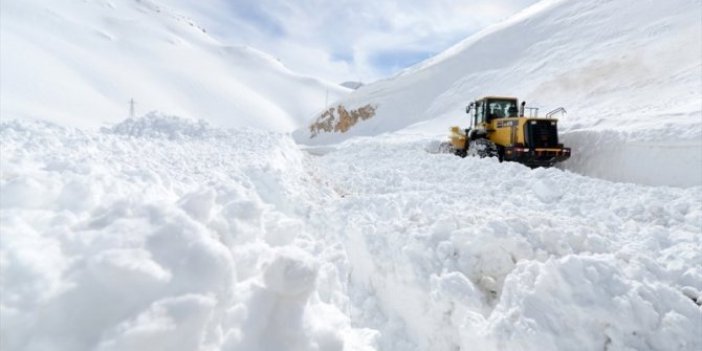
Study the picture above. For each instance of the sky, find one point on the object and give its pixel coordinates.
(351, 40)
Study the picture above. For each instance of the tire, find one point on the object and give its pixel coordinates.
(482, 148)
(500, 153)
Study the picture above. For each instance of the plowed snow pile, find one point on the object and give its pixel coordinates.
(163, 234)
(482, 255)
(159, 233)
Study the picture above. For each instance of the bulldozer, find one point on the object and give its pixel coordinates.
(499, 128)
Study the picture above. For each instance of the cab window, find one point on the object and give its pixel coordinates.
(501, 108)
(479, 113)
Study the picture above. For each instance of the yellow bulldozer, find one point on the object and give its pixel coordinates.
(499, 128)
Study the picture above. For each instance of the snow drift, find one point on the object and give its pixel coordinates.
(80, 63)
(162, 233)
(625, 69)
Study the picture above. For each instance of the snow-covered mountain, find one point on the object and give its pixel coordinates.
(628, 72)
(81, 62)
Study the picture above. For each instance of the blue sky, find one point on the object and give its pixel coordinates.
(358, 40)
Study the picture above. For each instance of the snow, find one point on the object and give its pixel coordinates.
(169, 232)
(629, 73)
(556, 261)
(80, 62)
(161, 232)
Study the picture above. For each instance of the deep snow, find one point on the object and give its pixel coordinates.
(162, 233)
(495, 256)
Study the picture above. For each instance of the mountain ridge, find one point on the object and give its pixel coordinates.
(69, 62)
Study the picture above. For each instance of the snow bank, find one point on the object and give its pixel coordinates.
(162, 233)
(587, 303)
(478, 254)
(649, 157)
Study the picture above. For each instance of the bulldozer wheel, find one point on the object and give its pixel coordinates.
(482, 148)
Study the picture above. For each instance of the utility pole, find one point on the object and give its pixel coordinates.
(131, 108)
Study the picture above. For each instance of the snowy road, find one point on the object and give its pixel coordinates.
(161, 233)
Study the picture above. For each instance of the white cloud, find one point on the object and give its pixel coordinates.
(352, 39)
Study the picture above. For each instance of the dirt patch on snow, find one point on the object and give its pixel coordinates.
(340, 119)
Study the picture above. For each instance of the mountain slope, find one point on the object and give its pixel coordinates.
(628, 72)
(70, 61)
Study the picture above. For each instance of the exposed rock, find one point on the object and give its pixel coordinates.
(340, 119)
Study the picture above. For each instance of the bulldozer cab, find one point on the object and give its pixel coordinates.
(485, 110)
